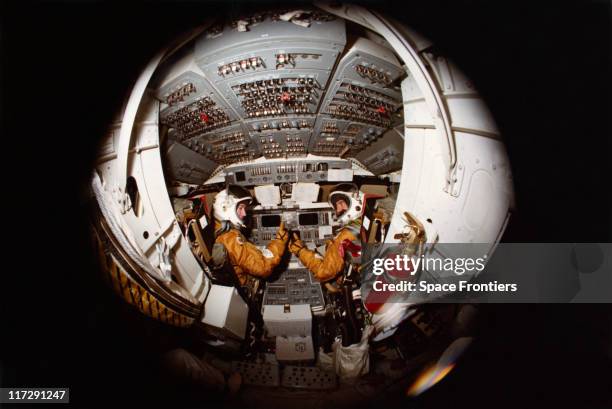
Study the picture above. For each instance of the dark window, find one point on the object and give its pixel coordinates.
(270, 221)
(309, 219)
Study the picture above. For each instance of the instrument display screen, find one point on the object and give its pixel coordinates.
(271, 220)
(308, 219)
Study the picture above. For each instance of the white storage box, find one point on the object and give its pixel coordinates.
(226, 312)
(288, 320)
(294, 348)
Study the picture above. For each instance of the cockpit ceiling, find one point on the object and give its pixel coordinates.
(264, 87)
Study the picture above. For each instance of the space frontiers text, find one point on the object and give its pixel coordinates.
(404, 266)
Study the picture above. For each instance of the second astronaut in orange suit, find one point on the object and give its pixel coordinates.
(345, 247)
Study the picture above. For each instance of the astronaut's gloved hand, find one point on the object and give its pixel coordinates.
(282, 233)
(295, 245)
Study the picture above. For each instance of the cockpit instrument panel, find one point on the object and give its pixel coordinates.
(283, 172)
(295, 286)
(313, 225)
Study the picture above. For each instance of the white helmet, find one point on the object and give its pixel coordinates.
(353, 198)
(226, 203)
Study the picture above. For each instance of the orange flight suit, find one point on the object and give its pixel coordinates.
(246, 258)
(346, 243)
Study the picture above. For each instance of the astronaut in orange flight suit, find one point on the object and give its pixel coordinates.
(345, 247)
(230, 244)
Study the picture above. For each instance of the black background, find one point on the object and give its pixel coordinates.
(543, 69)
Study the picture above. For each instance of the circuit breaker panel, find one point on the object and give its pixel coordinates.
(360, 102)
(261, 86)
